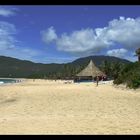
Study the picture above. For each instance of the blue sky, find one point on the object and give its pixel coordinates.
(60, 34)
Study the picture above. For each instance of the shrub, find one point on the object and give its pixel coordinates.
(130, 75)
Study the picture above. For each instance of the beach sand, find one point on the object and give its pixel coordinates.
(54, 107)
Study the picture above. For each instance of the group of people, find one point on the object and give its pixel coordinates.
(100, 78)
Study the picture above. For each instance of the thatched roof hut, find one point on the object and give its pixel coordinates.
(90, 71)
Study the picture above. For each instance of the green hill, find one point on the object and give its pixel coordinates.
(12, 67)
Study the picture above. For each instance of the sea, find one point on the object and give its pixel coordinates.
(6, 81)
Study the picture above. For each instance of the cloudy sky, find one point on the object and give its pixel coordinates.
(62, 34)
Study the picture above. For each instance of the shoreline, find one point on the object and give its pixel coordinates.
(15, 81)
(110, 82)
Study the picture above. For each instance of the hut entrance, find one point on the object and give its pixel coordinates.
(83, 79)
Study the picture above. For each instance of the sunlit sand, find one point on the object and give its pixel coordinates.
(58, 107)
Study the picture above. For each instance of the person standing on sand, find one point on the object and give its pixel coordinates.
(97, 79)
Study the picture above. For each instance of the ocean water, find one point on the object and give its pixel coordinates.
(5, 81)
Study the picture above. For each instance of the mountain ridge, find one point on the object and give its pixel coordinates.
(13, 67)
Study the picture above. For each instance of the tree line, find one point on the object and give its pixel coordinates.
(120, 73)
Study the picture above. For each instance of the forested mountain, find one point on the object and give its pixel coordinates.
(99, 59)
(12, 67)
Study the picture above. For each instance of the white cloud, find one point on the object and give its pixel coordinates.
(9, 45)
(131, 58)
(125, 31)
(81, 41)
(21, 53)
(7, 11)
(122, 31)
(49, 35)
(55, 59)
(7, 32)
(117, 52)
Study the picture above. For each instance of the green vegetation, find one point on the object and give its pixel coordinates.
(119, 70)
(129, 75)
(112, 69)
(11, 67)
(123, 73)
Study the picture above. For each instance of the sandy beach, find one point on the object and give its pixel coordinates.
(56, 107)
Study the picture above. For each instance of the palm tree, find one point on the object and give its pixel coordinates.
(138, 54)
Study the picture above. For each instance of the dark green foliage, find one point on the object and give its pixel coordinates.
(98, 60)
(11, 67)
(122, 73)
(112, 69)
(129, 75)
(120, 70)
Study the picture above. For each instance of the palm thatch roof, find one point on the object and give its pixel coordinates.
(90, 70)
